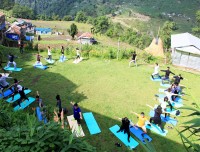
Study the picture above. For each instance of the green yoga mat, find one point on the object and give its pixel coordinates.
(24, 104)
(17, 96)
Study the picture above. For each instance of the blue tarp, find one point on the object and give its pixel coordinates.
(2, 25)
(12, 36)
(43, 30)
(29, 38)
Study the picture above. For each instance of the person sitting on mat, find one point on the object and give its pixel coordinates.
(167, 74)
(59, 103)
(170, 95)
(4, 84)
(125, 127)
(77, 112)
(156, 119)
(141, 122)
(11, 58)
(39, 100)
(177, 79)
(22, 94)
(156, 72)
(49, 54)
(134, 57)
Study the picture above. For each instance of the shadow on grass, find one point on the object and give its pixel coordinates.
(50, 84)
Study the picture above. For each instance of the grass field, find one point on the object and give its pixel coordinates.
(108, 89)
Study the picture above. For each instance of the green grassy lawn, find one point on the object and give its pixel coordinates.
(108, 89)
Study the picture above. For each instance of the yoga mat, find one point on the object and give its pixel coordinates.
(76, 129)
(39, 115)
(76, 61)
(124, 137)
(50, 61)
(155, 79)
(165, 85)
(12, 69)
(156, 129)
(17, 96)
(138, 133)
(43, 67)
(25, 104)
(173, 112)
(6, 94)
(91, 123)
(168, 119)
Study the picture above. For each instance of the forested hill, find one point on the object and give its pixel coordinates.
(71, 7)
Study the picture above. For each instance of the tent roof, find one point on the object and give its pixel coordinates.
(184, 40)
(189, 49)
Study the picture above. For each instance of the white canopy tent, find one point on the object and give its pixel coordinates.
(186, 50)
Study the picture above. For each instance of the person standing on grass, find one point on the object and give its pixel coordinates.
(77, 112)
(39, 100)
(125, 127)
(78, 56)
(59, 103)
(11, 58)
(49, 54)
(156, 72)
(134, 57)
(167, 74)
(14, 88)
(62, 53)
(141, 122)
(21, 47)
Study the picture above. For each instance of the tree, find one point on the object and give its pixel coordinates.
(196, 29)
(101, 24)
(81, 17)
(19, 11)
(166, 32)
(67, 18)
(73, 30)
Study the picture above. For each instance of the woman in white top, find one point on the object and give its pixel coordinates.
(49, 53)
(78, 53)
(156, 71)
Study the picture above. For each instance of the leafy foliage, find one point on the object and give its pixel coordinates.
(22, 132)
(196, 29)
(73, 30)
(192, 127)
(19, 11)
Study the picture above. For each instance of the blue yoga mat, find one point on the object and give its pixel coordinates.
(50, 61)
(173, 111)
(155, 79)
(177, 103)
(17, 96)
(91, 123)
(165, 85)
(25, 104)
(6, 94)
(39, 115)
(168, 119)
(138, 133)
(12, 69)
(124, 137)
(156, 129)
(43, 67)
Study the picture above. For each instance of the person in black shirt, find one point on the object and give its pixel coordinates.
(11, 58)
(62, 53)
(178, 79)
(125, 127)
(134, 57)
(59, 104)
(167, 73)
(156, 119)
(21, 48)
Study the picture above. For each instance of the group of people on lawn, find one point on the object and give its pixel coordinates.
(171, 94)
